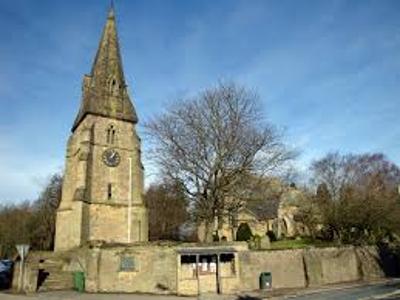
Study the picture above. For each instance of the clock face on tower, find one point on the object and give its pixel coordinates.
(111, 157)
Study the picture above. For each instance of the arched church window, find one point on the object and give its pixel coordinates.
(111, 134)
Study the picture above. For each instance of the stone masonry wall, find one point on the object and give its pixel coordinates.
(286, 267)
(309, 267)
(96, 198)
(370, 262)
(331, 265)
(155, 270)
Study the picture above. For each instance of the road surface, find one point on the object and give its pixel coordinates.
(389, 290)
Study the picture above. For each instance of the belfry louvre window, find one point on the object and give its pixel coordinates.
(113, 86)
(111, 134)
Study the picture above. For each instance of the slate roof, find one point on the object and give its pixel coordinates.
(264, 210)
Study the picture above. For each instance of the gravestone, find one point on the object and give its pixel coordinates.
(265, 243)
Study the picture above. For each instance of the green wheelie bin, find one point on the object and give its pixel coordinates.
(265, 281)
(79, 281)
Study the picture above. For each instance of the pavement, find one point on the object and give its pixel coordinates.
(71, 295)
(382, 290)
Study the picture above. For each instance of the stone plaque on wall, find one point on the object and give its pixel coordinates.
(127, 264)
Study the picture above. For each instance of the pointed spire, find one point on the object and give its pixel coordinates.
(104, 90)
(111, 11)
(108, 58)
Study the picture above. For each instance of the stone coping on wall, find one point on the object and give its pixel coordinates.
(238, 246)
(208, 250)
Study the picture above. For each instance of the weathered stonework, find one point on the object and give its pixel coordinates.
(100, 201)
(331, 265)
(286, 267)
(158, 269)
(163, 268)
(279, 216)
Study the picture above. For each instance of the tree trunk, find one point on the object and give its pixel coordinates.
(208, 231)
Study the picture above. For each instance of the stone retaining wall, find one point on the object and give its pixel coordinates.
(154, 269)
(286, 267)
(331, 265)
(310, 267)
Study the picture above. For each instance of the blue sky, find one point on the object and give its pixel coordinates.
(327, 71)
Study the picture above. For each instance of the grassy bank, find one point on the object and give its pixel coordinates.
(299, 244)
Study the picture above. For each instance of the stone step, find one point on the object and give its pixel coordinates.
(51, 269)
(55, 288)
(52, 264)
(57, 285)
(61, 280)
(58, 280)
(45, 259)
(60, 276)
(48, 266)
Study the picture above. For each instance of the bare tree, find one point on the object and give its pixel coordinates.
(330, 173)
(358, 197)
(167, 206)
(211, 142)
(31, 222)
(43, 221)
(14, 227)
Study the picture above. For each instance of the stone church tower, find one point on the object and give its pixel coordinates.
(102, 193)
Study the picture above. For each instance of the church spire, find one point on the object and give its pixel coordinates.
(105, 90)
(108, 58)
(111, 12)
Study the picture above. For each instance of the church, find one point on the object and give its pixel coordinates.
(102, 221)
(102, 193)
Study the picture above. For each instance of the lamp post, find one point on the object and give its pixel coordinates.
(23, 250)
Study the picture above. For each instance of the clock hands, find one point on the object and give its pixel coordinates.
(111, 157)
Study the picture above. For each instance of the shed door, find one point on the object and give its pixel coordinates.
(207, 269)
